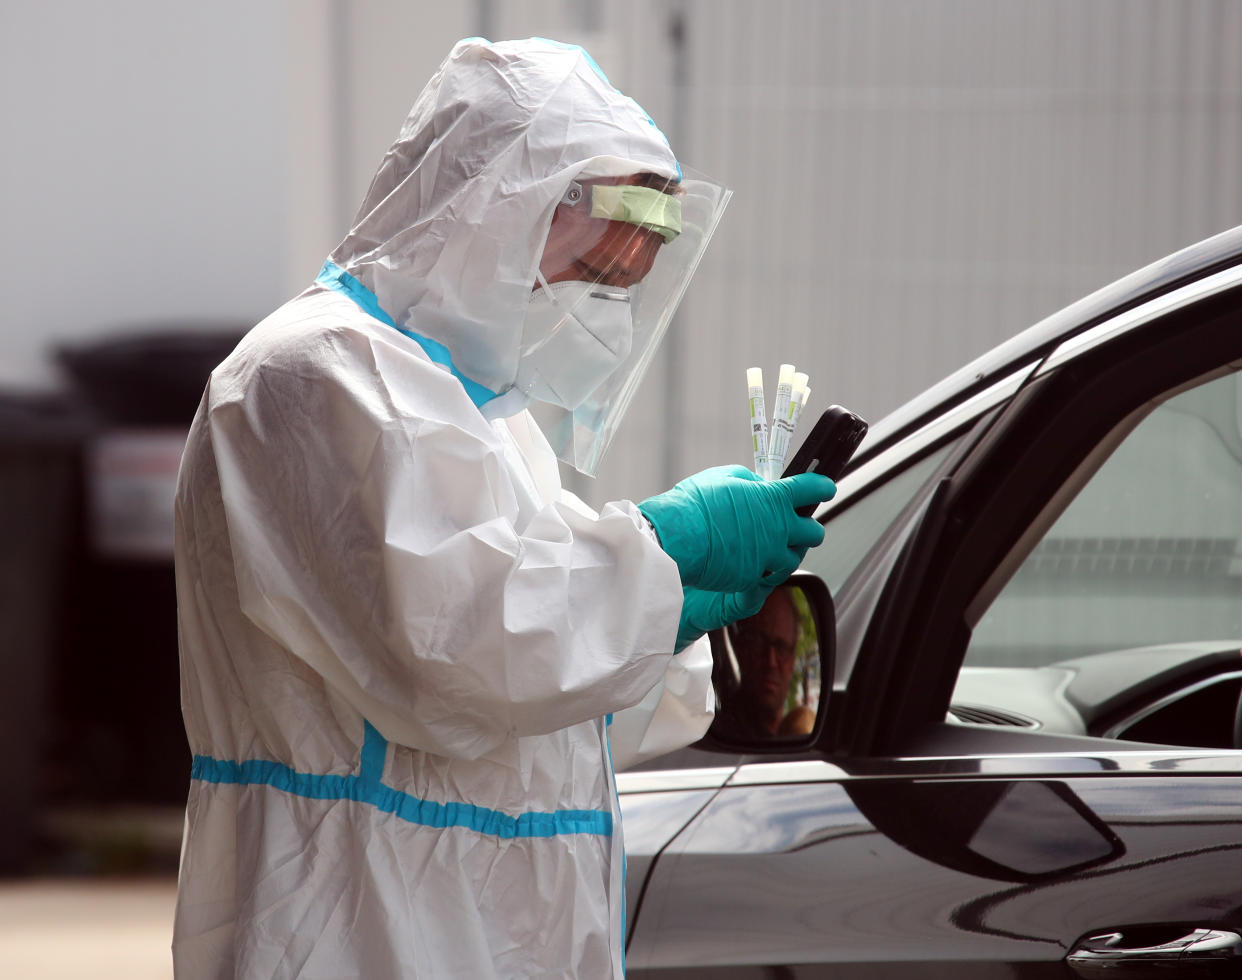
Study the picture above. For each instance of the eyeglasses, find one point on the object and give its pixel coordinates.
(760, 641)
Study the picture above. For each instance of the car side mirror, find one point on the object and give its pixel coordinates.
(772, 672)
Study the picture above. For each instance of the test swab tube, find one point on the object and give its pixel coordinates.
(800, 400)
(781, 427)
(799, 391)
(758, 419)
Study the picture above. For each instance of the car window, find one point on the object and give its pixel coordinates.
(851, 532)
(1137, 585)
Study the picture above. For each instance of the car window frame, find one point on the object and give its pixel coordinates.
(891, 697)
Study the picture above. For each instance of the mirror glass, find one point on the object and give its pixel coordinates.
(767, 670)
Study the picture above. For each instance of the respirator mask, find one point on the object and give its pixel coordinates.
(574, 337)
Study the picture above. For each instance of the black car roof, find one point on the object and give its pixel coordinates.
(1198, 260)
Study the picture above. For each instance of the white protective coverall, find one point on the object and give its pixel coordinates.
(402, 642)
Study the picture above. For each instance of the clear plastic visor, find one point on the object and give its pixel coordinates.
(640, 238)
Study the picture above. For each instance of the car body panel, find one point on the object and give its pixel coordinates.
(649, 822)
(905, 845)
(890, 908)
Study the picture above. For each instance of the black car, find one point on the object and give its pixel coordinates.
(1026, 757)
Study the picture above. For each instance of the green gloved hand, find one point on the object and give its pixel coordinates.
(703, 611)
(728, 528)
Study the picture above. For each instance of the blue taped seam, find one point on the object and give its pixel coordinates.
(425, 813)
(625, 871)
(334, 277)
(374, 751)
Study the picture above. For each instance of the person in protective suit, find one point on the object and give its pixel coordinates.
(409, 658)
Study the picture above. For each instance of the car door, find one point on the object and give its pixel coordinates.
(1098, 832)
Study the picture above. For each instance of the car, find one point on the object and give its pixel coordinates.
(1020, 649)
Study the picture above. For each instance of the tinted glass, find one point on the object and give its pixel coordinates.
(1147, 553)
(1125, 621)
(851, 533)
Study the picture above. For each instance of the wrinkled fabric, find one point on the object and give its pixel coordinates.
(451, 231)
(401, 645)
(682, 702)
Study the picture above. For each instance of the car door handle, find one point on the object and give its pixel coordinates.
(1196, 953)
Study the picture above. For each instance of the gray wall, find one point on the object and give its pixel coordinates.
(143, 170)
(915, 180)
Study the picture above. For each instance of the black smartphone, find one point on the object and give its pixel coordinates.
(828, 447)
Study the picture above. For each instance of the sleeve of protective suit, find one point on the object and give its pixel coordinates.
(674, 713)
(375, 535)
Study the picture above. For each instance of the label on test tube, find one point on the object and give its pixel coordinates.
(758, 419)
(782, 422)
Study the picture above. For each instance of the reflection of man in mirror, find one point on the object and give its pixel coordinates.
(766, 645)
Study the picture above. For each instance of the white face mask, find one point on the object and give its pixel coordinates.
(574, 336)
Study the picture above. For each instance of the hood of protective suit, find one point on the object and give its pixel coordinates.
(449, 236)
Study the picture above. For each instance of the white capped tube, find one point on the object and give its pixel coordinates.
(758, 418)
(800, 391)
(800, 400)
(781, 422)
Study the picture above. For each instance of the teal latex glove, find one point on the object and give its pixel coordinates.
(703, 611)
(727, 528)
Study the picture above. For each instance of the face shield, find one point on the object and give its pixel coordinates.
(618, 257)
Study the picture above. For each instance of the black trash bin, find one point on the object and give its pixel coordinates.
(122, 691)
(40, 458)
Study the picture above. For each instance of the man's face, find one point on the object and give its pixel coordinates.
(585, 249)
(765, 650)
